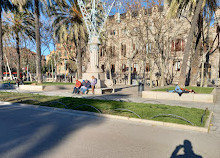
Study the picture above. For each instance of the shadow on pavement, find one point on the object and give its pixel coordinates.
(187, 149)
(121, 88)
(30, 132)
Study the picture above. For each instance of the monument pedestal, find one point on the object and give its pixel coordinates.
(93, 66)
(100, 76)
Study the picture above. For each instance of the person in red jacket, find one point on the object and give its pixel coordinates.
(77, 87)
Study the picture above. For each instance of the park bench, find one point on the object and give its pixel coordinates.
(102, 90)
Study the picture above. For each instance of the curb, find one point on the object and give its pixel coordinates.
(108, 116)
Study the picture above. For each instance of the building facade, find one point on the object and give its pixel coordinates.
(145, 44)
(27, 60)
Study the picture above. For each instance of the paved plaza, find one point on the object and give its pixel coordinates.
(39, 132)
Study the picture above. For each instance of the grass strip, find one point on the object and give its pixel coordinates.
(146, 111)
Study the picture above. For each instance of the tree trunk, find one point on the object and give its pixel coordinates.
(144, 73)
(8, 67)
(52, 71)
(55, 66)
(31, 77)
(151, 74)
(162, 67)
(202, 70)
(1, 46)
(195, 65)
(18, 55)
(6, 75)
(186, 53)
(206, 79)
(129, 71)
(79, 61)
(27, 72)
(38, 44)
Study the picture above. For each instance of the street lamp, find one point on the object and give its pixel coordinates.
(95, 19)
(118, 5)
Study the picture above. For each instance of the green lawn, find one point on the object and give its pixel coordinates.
(200, 90)
(146, 111)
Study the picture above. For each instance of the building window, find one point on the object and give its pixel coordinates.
(124, 68)
(112, 68)
(178, 45)
(103, 68)
(177, 65)
(123, 16)
(148, 11)
(133, 46)
(111, 17)
(134, 14)
(147, 67)
(101, 51)
(112, 50)
(123, 50)
(135, 67)
(148, 48)
(112, 32)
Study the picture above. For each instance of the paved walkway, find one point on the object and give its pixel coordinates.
(39, 132)
(130, 94)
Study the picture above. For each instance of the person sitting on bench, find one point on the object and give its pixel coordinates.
(85, 87)
(77, 87)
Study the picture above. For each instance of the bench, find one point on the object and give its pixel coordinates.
(102, 90)
(50, 79)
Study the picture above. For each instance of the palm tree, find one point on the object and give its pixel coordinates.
(4, 5)
(19, 25)
(177, 8)
(34, 5)
(69, 28)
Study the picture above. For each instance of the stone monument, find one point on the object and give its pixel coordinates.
(95, 19)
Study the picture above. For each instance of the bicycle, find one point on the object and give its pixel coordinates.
(8, 86)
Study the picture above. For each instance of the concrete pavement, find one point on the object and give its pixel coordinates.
(45, 133)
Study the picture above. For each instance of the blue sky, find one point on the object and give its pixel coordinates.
(46, 51)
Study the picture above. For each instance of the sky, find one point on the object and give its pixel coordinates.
(45, 51)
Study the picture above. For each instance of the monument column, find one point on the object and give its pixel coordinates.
(94, 55)
(93, 67)
(94, 29)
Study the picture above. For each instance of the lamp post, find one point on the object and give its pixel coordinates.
(118, 5)
(95, 19)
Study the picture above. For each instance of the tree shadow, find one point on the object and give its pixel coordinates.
(32, 131)
(187, 149)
